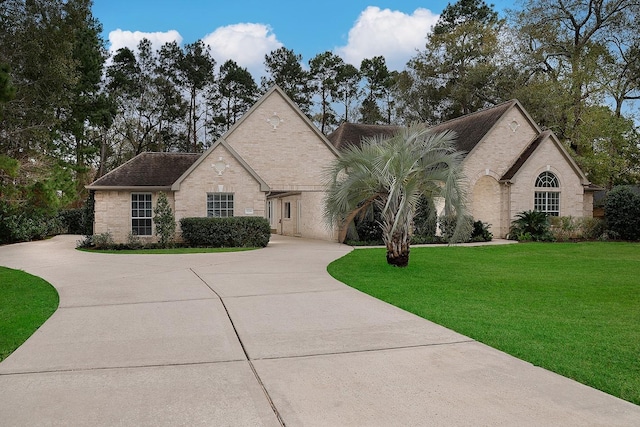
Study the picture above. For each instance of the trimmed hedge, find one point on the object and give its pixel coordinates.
(235, 232)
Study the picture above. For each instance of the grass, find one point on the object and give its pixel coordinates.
(167, 251)
(572, 308)
(26, 301)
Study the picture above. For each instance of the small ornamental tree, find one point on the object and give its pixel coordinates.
(164, 220)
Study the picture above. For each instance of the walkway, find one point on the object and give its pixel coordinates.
(254, 338)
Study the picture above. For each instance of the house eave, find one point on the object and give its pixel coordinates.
(127, 188)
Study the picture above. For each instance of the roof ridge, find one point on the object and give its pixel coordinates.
(466, 116)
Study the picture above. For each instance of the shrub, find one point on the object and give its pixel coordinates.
(102, 240)
(531, 225)
(226, 232)
(72, 221)
(480, 232)
(592, 228)
(18, 225)
(164, 220)
(448, 227)
(425, 220)
(622, 213)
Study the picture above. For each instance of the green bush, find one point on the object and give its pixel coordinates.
(531, 225)
(72, 220)
(480, 232)
(18, 225)
(164, 220)
(448, 227)
(622, 213)
(233, 232)
(592, 228)
(425, 220)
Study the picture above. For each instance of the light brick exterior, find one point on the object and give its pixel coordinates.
(288, 157)
(274, 156)
(113, 213)
(497, 203)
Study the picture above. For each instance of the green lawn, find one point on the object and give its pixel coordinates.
(572, 308)
(26, 301)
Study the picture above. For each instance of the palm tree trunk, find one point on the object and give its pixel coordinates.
(398, 250)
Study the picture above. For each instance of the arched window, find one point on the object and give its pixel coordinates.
(546, 199)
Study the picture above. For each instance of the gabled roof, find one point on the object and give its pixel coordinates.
(531, 148)
(524, 156)
(470, 129)
(234, 154)
(294, 107)
(147, 170)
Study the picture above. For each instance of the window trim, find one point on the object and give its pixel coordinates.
(148, 219)
(546, 195)
(228, 209)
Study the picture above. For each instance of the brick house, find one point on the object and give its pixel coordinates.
(271, 164)
(511, 165)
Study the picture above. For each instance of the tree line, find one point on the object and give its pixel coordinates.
(69, 113)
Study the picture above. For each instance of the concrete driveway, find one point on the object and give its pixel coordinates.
(254, 338)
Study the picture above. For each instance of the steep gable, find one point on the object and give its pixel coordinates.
(222, 144)
(547, 135)
(281, 144)
(148, 170)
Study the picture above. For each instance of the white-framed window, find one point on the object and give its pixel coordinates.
(141, 214)
(545, 199)
(220, 205)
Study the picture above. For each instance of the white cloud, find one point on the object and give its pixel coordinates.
(121, 38)
(384, 32)
(246, 44)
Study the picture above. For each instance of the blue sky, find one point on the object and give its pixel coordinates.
(246, 30)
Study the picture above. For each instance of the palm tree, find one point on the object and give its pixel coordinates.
(392, 174)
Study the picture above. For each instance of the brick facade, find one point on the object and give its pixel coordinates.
(273, 161)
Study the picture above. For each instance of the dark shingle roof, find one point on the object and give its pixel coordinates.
(470, 129)
(525, 156)
(148, 170)
(352, 133)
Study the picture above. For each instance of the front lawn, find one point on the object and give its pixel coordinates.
(26, 301)
(572, 308)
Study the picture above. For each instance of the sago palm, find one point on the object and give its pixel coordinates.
(392, 173)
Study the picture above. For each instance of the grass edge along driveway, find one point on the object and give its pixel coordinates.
(26, 302)
(572, 308)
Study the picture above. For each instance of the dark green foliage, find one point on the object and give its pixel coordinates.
(226, 232)
(164, 220)
(88, 215)
(18, 225)
(531, 225)
(622, 211)
(425, 220)
(480, 232)
(448, 227)
(72, 220)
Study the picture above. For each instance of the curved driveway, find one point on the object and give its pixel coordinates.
(263, 337)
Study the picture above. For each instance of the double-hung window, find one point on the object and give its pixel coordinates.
(141, 214)
(547, 194)
(220, 205)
